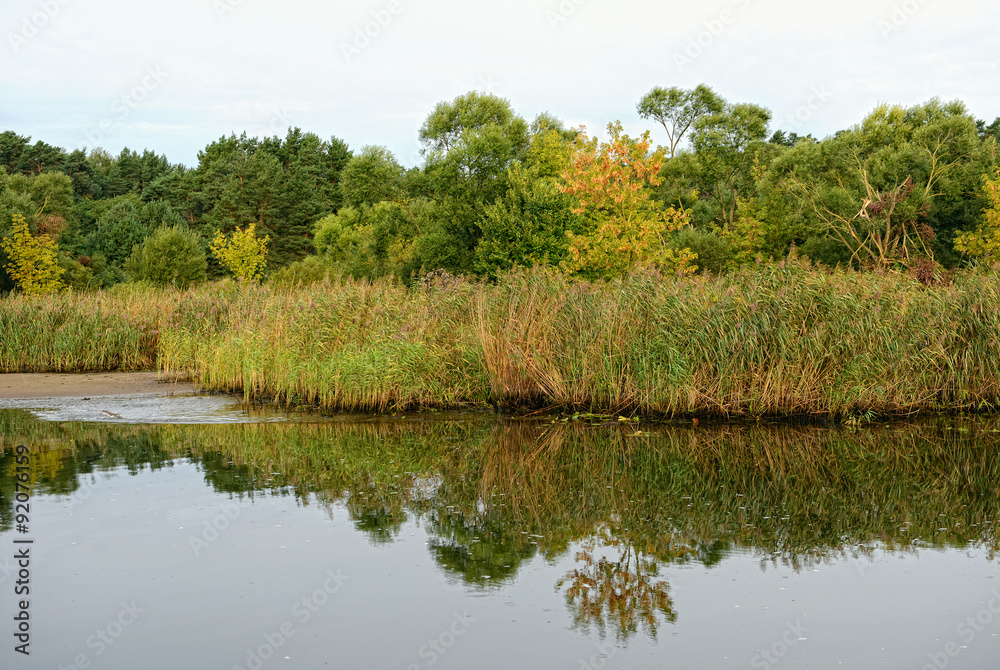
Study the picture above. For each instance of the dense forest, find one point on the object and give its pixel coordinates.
(711, 186)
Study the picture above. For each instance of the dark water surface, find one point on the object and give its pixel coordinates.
(471, 542)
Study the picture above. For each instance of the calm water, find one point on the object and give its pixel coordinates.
(467, 542)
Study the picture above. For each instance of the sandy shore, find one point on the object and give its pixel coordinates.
(46, 385)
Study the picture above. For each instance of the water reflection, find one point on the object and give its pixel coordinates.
(622, 592)
(494, 495)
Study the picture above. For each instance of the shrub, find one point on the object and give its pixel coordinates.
(171, 256)
(714, 252)
(309, 270)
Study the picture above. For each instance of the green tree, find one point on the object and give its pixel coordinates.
(15, 199)
(371, 176)
(378, 240)
(308, 189)
(52, 193)
(470, 143)
(528, 225)
(888, 189)
(677, 110)
(282, 186)
(171, 256)
(42, 157)
(989, 131)
(119, 230)
(727, 144)
(12, 147)
(236, 184)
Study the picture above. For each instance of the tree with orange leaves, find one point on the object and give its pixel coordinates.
(609, 182)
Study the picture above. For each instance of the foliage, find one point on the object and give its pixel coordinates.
(713, 252)
(984, 242)
(242, 253)
(171, 256)
(885, 188)
(625, 229)
(677, 110)
(309, 270)
(282, 186)
(32, 260)
(76, 275)
(120, 230)
(469, 143)
(897, 190)
(374, 241)
(371, 176)
(529, 224)
(765, 227)
(729, 144)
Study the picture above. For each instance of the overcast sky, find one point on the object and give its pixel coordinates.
(174, 75)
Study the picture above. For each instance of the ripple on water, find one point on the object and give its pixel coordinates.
(144, 408)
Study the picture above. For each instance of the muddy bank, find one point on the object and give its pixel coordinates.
(51, 385)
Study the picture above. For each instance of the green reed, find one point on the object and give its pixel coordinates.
(784, 340)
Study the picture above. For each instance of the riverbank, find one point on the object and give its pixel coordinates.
(46, 385)
(775, 341)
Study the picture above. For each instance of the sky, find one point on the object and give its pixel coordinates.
(175, 76)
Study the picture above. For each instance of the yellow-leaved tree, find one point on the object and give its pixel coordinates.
(626, 229)
(243, 253)
(32, 260)
(984, 243)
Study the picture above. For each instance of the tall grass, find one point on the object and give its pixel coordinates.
(776, 341)
(780, 340)
(349, 346)
(81, 332)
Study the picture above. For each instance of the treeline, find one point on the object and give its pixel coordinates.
(914, 189)
(101, 208)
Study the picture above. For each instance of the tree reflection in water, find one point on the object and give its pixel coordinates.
(625, 593)
(494, 495)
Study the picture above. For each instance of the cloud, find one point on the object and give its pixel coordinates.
(238, 65)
